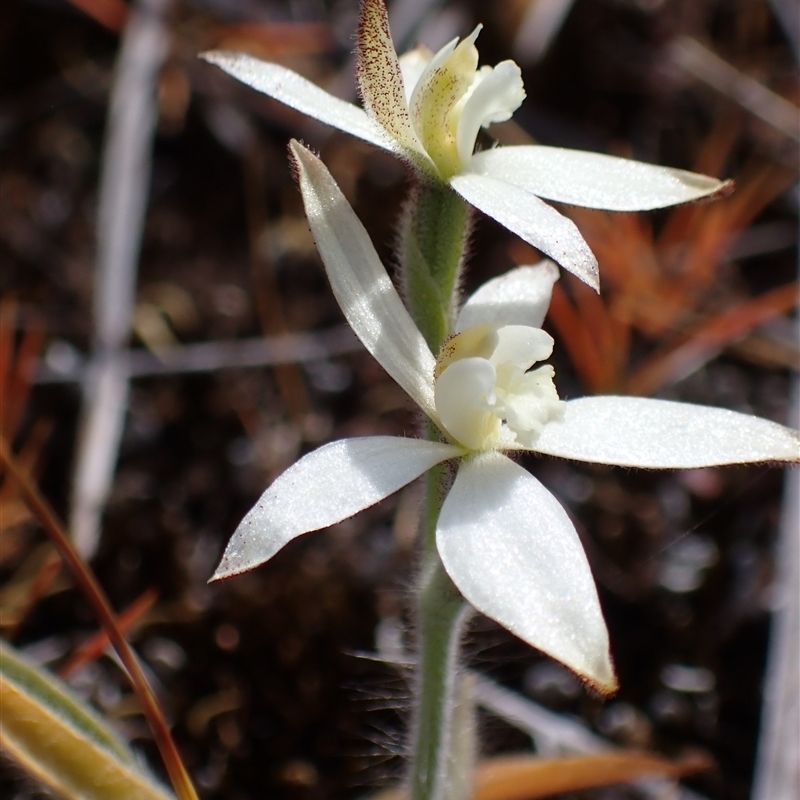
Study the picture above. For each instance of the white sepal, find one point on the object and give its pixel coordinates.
(519, 297)
(326, 486)
(531, 219)
(359, 281)
(510, 548)
(661, 434)
(300, 94)
(592, 180)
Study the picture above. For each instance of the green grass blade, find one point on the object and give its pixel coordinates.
(61, 741)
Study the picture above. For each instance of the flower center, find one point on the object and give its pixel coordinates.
(450, 99)
(485, 394)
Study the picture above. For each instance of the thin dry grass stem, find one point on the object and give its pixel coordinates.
(95, 646)
(122, 208)
(702, 63)
(96, 597)
(28, 456)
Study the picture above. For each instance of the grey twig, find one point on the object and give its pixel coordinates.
(122, 203)
(789, 18)
(777, 774)
(551, 732)
(700, 62)
(291, 348)
(554, 733)
(539, 27)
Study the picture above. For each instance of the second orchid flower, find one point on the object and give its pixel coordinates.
(504, 539)
(427, 109)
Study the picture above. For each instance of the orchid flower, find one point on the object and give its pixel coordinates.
(428, 108)
(504, 539)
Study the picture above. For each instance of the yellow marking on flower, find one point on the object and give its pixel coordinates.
(479, 341)
(436, 107)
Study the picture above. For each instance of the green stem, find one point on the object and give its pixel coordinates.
(443, 754)
(434, 236)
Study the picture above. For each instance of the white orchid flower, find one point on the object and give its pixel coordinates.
(428, 108)
(505, 541)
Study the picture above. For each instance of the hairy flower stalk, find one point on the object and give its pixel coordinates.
(500, 538)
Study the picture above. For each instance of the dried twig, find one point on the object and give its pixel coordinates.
(122, 203)
(296, 348)
(700, 62)
(554, 733)
(777, 775)
(539, 27)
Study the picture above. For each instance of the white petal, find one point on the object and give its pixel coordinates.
(521, 346)
(362, 288)
(519, 297)
(464, 399)
(296, 92)
(326, 486)
(593, 180)
(641, 432)
(512, 551)
(497, 93)
(533, 220)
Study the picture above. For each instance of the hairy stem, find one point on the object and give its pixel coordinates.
(434, 236)
(443, 756)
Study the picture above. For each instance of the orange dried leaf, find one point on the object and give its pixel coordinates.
(529, 777)
(577, 339)
(703, 342)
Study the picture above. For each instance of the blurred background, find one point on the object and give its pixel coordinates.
(169, 345)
